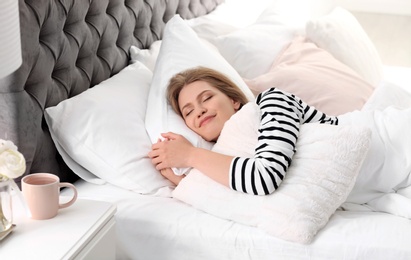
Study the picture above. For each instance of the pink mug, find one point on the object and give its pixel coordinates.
(42, 194)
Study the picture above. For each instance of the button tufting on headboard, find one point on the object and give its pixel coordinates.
(69, 46)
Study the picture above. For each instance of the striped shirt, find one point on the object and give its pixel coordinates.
(281, 117)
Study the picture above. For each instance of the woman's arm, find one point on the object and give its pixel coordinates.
(169, 174)
(281, 117)
(215, 165)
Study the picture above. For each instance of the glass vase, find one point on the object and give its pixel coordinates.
(6, 212)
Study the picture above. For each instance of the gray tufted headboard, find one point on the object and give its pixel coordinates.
(69, 46)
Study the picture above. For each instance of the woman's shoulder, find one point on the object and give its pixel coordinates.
(269, 93)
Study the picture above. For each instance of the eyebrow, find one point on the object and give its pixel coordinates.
(198, 97)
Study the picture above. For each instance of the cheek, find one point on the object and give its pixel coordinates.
(229, 110)
(189, 122)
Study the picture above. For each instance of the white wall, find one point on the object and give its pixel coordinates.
(401, 7)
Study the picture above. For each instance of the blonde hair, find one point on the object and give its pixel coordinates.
(213, 77)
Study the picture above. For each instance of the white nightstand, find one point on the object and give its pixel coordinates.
(85, 230)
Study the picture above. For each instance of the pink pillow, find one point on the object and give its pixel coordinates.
(316, 77)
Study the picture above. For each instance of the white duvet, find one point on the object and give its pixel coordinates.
(384, 179)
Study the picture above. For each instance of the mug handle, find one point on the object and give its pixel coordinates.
(71, 186)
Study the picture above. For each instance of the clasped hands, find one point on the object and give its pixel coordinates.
(172, 151)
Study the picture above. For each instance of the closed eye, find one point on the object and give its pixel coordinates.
(207, 98)
(188, 113)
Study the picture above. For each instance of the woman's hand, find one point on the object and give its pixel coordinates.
(173, 151)
(169, 174)
(176, 151)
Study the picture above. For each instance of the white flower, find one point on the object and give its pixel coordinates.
(12, 162)
(7, 145)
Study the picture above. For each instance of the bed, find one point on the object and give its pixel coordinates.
(88, 102)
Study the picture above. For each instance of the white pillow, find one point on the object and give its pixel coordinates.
(241, 13)
(209, 29)
(298, 12)
(181, 49)
(341, 34)
(322, 173)
(101, 136)
(236, 13)
(148, 57)
(252, 50)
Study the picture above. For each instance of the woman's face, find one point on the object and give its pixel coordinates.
(205, 109)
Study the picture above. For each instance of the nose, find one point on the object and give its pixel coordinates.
(201, 111)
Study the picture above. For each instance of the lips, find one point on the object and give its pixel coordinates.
(205, 120)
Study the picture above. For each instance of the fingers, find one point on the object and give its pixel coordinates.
(157, 145)
(155, 153)
(158, 166)
(160, 150)
(156, 159)
(170, 135)
(155, 150)
(157, 162)
(152, 154)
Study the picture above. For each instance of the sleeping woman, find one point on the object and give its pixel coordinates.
(206, 99)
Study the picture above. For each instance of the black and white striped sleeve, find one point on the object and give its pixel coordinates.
(281, 117)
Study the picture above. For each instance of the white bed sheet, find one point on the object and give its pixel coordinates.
(151, 227)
